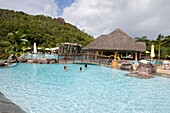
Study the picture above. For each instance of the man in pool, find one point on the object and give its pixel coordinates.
(80, 68)
(85, 65)
(64, 67)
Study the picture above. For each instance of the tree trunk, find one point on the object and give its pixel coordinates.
(159, 51)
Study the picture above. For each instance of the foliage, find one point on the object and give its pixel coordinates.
(40, 29)
(162, 45)
(45, 31)
(3, 53)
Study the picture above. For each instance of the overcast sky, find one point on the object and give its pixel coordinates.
(135, 17)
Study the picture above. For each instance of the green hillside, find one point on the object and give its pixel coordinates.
(43, 30)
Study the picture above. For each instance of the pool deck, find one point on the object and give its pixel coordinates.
(6, 106)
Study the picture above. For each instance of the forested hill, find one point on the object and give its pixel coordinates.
(43, 30)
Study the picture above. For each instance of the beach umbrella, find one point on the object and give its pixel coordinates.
(39, 48)
(35, 48)
(152, 51)
(28, 48)
(47, 49)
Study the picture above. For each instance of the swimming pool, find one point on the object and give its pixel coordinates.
(149, 61)
(47, 88)
(42, 56)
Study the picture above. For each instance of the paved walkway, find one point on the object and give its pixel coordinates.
(6, 106)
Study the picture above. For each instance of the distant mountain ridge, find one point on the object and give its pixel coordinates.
(43, 30)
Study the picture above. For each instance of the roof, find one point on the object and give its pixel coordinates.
(116, 41)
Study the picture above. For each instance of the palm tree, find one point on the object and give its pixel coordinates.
(159, 42)
(15, 42)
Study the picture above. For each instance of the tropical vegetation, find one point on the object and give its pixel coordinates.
(44, 30)
(162, 45)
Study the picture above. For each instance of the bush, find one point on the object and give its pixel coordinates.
(3, 53)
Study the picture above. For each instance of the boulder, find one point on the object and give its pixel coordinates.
(126, 66)
(147, 68)
(2, 64)
(35, 60)
(52, 60)
(12, 59)
(138, 74)
(21, 59)
(61, 20)
(40, 61)
(5, 61)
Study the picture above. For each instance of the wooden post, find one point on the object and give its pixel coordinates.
(87, 54)
(90, 58)
(115, 56)
(139, 56)
(136, 56)
(96, 52)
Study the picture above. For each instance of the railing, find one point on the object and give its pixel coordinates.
(84, 58)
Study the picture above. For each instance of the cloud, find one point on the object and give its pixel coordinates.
(135, 17)
(45, 7)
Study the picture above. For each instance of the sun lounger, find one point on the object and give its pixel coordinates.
(166, 65)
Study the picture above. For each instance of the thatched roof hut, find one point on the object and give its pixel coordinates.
(116, 41)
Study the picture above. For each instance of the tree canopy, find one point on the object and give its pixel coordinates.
(43, 30)
(162, 44)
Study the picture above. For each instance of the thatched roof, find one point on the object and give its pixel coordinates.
(116, 41)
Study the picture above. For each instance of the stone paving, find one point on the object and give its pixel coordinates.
(6, 106)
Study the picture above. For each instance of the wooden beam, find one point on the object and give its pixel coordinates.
(136, 56)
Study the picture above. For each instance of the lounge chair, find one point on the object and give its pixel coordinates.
(166, 65)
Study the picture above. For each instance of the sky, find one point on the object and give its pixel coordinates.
(136, 18)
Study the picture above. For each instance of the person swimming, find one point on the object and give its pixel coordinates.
(64, 67)
(85, 65)
(80, 68)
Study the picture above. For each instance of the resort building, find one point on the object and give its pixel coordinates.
(69, 48)
(117, 42)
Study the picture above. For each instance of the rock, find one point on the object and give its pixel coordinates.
(35, 60)
(2, 64)
(12, 59)
(21, 59)
(6, 106)
(138, 74)
(52, 60)
(147, 68)
(5, 61)
(143, 71)
(40, 61)
(61, 20)
(126, 66)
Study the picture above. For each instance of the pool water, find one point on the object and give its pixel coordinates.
(47, 88)
(149, 61)
(42, 56)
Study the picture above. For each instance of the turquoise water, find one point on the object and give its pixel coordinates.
(154, 62)
(47, 88)
(42, 56)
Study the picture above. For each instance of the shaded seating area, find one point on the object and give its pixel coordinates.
(114, 43)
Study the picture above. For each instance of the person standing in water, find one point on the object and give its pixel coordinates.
(80, 68)
(64, 67)
(85, 65)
